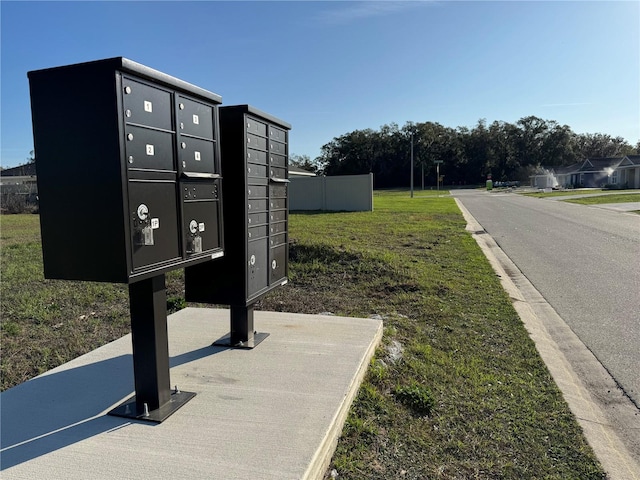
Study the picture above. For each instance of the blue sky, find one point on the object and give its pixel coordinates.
(331, 67)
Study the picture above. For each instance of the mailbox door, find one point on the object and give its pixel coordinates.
(201, 217)
(257, 270)
(154, 216)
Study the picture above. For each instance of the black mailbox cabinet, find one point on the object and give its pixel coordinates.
(255, 170)
(128, 166)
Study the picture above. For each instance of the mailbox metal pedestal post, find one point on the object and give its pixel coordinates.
(242, 334)
(154, 400)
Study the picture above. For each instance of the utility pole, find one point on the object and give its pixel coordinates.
(438, 162)
(411, 164)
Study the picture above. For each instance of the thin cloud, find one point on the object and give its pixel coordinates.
(574, 104)
(348, 12)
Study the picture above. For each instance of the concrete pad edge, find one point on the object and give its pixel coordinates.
(322, 458)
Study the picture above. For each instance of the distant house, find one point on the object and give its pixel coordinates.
(300, 172)
(621, 172)
(18, 183)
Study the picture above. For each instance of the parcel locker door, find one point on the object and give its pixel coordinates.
(154, 220)
(201, 226)
(257, 270)
(278, 266)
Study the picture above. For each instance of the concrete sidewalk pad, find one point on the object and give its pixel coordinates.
(272, 412)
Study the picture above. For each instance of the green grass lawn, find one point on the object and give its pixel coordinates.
(602, 199)
(457, 389)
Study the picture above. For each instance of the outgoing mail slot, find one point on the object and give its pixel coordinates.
(146, 105)
(195, 118)
(200, 191)
(149, 149)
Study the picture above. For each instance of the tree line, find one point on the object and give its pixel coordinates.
(508, 151)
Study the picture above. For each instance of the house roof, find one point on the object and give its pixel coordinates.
(19, 171)
(300, 172)
(599, 164)
(632, 159)
(574, 167)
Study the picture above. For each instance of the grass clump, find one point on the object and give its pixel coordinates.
(415, 396)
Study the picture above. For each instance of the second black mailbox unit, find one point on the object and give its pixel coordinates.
(255, 170)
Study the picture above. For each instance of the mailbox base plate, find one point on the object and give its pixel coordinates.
(128, 408)
(253, 342)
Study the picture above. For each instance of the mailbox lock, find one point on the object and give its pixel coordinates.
(130, 158)
(143, 211)
(181, 106)
(130, 136)
(128, 113)
(193, 226)
(253, 260)
(127, 90)
(183, 145)
(274, 264)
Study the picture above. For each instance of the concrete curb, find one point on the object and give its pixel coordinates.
(604, 412)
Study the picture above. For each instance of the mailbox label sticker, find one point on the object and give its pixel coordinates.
(155, 223)
(150, 150)
(148, 106)
(196, 120)
(201, 227)
(196, 155)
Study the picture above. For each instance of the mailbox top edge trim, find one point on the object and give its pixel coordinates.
(259, 113)
(129, 66)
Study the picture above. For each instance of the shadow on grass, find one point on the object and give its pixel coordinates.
(64, 407)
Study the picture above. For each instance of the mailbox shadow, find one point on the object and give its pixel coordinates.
(54, 411)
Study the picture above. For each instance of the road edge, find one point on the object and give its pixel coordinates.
(593, 396)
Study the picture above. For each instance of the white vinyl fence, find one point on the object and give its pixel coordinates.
(345, 193)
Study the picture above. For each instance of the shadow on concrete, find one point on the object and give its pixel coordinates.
(59, 409)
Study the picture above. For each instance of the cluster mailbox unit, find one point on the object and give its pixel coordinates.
(131, 186)
(255, 170)
(128, 166)
(128, 171)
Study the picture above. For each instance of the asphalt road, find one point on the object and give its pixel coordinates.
(584, 260)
